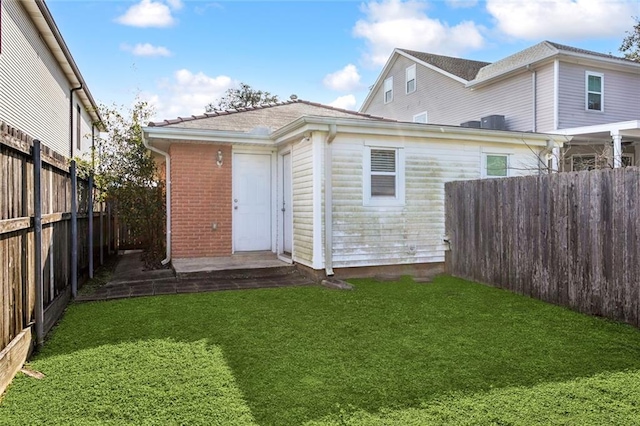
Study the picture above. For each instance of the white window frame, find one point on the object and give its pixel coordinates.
(587, 91)
(411, 70)
(387, 87)
(483, 166)
(426, 117)
(399, 199)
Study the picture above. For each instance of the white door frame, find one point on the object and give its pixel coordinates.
(280, 201)
(274, 185)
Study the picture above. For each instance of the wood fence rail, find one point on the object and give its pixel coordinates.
(572, 239)
(37, 242)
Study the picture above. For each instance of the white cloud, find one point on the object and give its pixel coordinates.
(146, 49)
(394, 23)
(457, 4)
(563, 19)
(149, 13)
(344, 102)
(175, 4)
(344, 80)
(186, 93)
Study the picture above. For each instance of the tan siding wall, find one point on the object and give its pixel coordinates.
(447, 101)
(302, 168)
(413, 233)
(621, 97)
(33, 90)
(544, 88)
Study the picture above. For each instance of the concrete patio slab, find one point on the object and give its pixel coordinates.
(252, 260)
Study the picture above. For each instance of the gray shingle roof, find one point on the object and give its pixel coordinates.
(463, 68)
(261, 119)
(586, 52)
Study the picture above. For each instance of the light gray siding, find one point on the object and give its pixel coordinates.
(621, 97)
(413, 233)
(544, 98)
(34, 92)
(302, 181)
(447, 101)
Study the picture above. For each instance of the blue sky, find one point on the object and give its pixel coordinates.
(179, 54)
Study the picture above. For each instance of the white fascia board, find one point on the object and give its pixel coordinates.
(414, 130)
(184, 135)
(601, 128)
(379, 80)
(601, 62)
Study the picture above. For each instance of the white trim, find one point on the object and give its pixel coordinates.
(556, 95)
(367, 199)
(407, 80)
(317, 143)
(280, 199)
(601, 128)
(483, 165)
(185, 135)
(384, 90)
(588, 74)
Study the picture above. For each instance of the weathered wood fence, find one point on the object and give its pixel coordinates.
(572, 239)
(40, 267)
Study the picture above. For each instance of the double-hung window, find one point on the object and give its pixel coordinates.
(594, 91)
(383, 177)
(388, 90)
(411, 79)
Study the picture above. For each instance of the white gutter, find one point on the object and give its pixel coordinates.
(167, 179)
(328, 201)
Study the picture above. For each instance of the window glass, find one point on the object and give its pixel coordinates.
(388, 90)
(594, 92)
(383, 172)
(420, 118)
(411, 79)
(496, 165)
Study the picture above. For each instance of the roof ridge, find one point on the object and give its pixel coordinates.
(167, 122)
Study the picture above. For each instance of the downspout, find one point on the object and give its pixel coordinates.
(545, 152)
(328, 201)
(71, 119)
(167, 178)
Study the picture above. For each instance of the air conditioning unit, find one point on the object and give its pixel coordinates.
(493, 122)
(474, 123)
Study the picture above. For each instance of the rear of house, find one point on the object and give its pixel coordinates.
(330, 190)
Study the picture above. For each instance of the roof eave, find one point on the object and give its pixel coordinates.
(53, 38)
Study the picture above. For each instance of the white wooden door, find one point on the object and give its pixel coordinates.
(287, 210)
(251, 202)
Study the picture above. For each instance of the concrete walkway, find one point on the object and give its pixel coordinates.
(244, 271)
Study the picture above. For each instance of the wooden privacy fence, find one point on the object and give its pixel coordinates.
(572, 239)
(40, 266)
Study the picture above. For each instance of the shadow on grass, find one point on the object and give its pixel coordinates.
(300, 354)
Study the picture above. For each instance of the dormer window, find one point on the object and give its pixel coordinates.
(411, 79)
(388, 90)
(595, 91)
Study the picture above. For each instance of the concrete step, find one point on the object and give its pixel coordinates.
(235, 274)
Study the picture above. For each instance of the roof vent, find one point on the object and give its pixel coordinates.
(493, 122)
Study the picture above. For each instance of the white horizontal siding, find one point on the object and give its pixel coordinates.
(302, 181)
(621, 97)
(413, 233)
(34, 93)
(447, 101)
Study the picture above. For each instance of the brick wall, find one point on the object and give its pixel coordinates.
(200, 196)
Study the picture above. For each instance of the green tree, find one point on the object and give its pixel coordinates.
(241, 97)
(127, 174)
(631, 43)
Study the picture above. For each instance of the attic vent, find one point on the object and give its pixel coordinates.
(493, 122)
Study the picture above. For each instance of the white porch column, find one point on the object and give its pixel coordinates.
(617, 149)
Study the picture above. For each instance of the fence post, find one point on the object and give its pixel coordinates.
(101, 232)
(90, 225)
(74, 229)
(108, 228)
(37, 233)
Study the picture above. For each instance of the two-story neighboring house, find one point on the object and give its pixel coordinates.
(42, 92)
(547, 88)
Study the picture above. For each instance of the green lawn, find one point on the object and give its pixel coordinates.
(450, 352)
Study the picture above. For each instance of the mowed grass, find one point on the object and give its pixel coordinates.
(448, 352)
